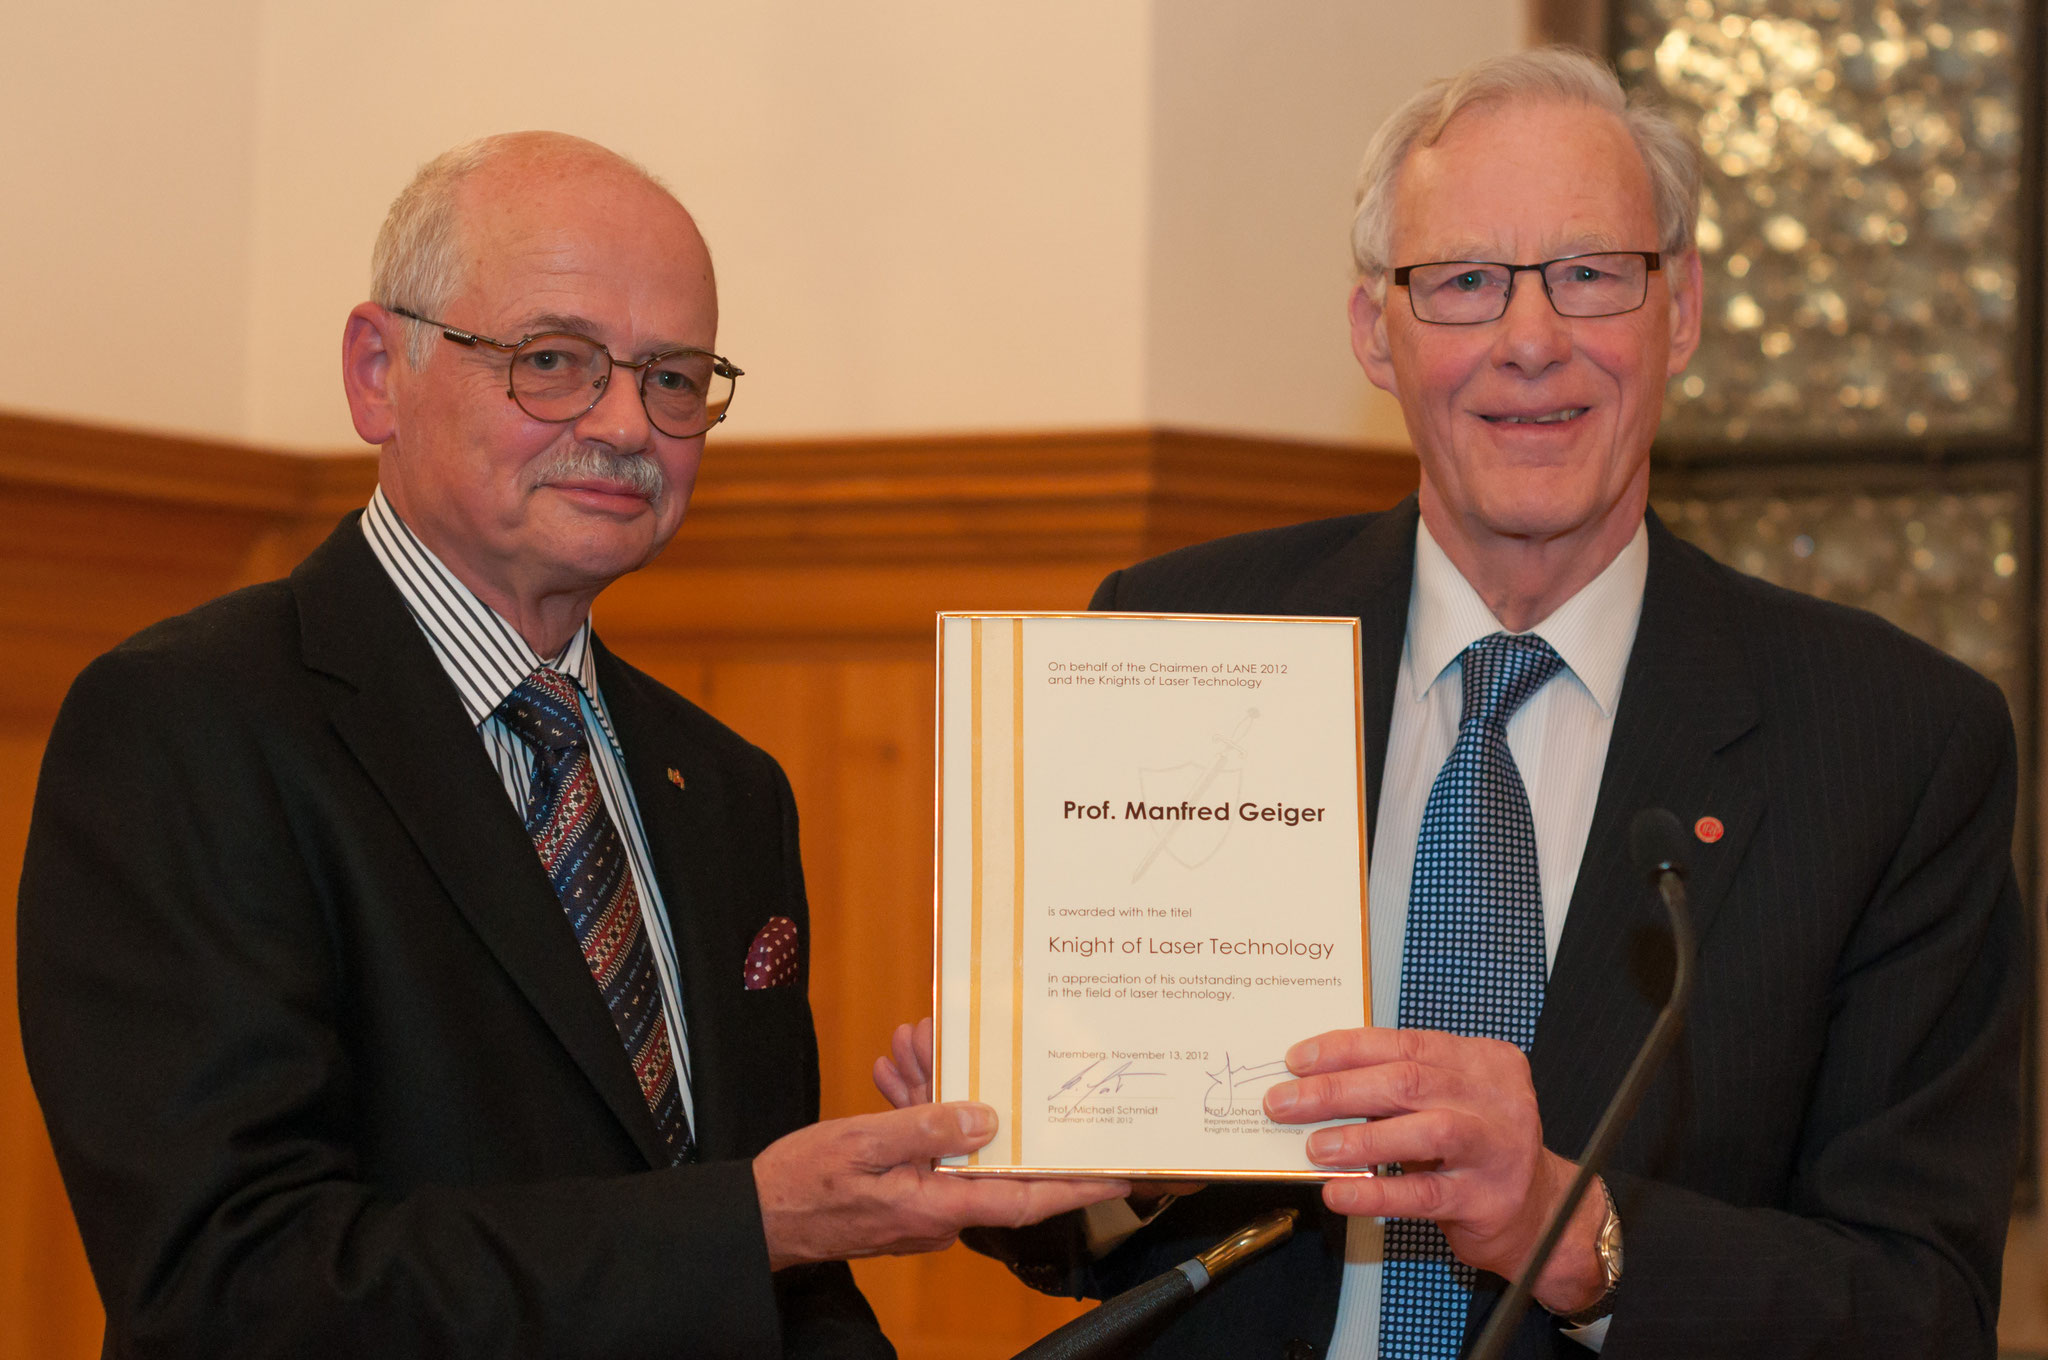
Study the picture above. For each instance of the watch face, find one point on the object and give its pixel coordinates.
(1609, 1243)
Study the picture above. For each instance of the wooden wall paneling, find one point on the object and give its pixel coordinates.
(876, 962)
(48, 1306)
(796, 604)
(109, 530)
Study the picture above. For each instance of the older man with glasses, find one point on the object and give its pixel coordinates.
(1824, 1165)
(403, 974)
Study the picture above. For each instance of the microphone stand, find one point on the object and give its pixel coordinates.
(1656, 831)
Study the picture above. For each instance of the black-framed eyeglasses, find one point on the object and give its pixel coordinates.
(1469, 292)
(557, 376)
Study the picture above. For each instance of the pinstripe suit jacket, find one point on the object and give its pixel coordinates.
(317, 1049)
(1824, 1164)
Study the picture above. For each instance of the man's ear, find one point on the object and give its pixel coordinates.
(370, 344)
(1688, 291)
(1369, 338)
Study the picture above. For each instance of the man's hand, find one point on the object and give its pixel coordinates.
(864, 1186)
(1460, 1116)
(905, 1077)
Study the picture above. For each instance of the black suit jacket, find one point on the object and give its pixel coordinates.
(1825, 1163)
(317, 1049)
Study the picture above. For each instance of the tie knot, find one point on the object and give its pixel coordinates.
(1501, 671)
(543, 711)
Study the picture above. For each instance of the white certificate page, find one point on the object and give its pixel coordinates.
(1151, 883)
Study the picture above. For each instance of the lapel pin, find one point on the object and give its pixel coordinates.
(1708, 829)
(675, 777)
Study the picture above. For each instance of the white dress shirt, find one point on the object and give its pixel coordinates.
(487, 659)
(1559, 741)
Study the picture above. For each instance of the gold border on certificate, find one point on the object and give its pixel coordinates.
(996, 727)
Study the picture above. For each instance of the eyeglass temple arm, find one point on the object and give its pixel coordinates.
(471, 341)
(459, 337)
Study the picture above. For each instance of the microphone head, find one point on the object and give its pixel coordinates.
(1658, 843)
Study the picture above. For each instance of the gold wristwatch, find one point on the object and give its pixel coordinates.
(1608, 1245)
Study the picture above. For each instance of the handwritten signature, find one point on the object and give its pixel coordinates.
(1226, 1083)
(1088, 1083)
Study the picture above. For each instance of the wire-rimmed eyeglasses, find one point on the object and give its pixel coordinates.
(1470, 292)
(557, 376)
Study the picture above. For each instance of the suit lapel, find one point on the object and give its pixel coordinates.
(1370, 577)
(400, 717)
(1686, 701)
(688, 844)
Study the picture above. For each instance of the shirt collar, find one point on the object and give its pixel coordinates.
(1593, 631)
(483, 654)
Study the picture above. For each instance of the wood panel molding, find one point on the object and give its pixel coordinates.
(1016, 497)
(819, 543)
(848, 544)
(102, 460)
(1124, 493)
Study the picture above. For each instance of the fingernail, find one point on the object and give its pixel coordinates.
(1302, 1055)
(1325, 1145)
(1280, 1099)
(977, 1121)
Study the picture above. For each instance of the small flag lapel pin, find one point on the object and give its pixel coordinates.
(675, 776)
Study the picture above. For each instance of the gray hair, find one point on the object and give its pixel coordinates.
(1563, 74)
(421, 261)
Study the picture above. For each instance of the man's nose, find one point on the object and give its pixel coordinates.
(619, 419)
(1530, 335)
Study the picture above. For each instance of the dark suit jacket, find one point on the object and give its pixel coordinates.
(1825, 1163)
(315, 1043)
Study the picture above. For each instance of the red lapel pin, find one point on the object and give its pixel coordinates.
(1709, 829)
(675, 776)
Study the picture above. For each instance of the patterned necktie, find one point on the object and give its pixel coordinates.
(1472, 962)
(585, 860)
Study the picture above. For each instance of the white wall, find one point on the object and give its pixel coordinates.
(1262, 112)
(125, 138)
(927, 215)
(924, 214)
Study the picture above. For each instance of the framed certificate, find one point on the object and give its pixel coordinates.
(1151, 883)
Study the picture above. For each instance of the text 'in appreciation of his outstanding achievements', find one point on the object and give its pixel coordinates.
(1151, 883)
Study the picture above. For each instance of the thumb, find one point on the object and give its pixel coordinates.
(922, 1133)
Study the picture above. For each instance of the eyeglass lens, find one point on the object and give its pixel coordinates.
(559, 377)
(1462, 292)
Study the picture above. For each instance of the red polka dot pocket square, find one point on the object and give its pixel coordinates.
(772, 960)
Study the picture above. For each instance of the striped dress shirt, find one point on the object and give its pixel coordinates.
(486, 659)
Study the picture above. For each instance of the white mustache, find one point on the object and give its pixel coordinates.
(574, 464)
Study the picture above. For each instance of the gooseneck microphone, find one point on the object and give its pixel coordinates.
(1659, 849)
(1118, 1322)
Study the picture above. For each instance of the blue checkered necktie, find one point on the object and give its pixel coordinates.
(1472, 962)
(585, 860)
